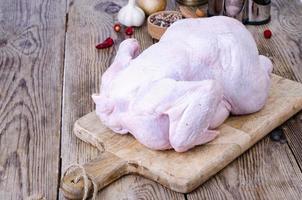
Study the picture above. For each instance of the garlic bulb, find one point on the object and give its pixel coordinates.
(131, 15)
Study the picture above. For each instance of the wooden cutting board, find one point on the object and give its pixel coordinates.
(182, 172)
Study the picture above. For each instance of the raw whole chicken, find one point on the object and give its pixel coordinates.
(175, 93)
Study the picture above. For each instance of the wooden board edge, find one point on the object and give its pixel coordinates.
(87, 137)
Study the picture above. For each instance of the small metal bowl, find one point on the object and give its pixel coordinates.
(156, 31)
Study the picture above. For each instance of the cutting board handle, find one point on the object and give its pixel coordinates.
(103, 170)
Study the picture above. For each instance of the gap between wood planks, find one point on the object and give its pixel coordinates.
(62, 114)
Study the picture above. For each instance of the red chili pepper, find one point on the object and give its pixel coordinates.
(267, 33)
(106, 44)
(129, 31)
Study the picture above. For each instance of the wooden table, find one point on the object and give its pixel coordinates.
(49, 67)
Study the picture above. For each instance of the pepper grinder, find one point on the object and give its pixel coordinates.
(253, 12)
(258, 12)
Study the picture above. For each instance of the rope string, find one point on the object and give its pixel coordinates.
(86, 179)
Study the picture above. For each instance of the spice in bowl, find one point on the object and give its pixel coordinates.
(160, 21)
(164, 19)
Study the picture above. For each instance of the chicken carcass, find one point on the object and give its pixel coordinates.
(175, 93)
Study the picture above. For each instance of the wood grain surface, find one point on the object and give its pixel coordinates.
(266, 171)
(37, 59)
(31, 68)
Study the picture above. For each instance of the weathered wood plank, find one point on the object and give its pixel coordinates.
(262, 173)
(91, 22)
(267, 171)
(292, 130)
(31, 67)
(136, 187)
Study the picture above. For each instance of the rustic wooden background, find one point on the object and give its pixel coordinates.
(49, 67)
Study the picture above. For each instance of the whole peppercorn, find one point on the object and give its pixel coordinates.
(267, 34)
(117, 27)
(129, 31)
